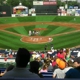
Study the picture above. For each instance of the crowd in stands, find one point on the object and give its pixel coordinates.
(7, 53)
(61, 62)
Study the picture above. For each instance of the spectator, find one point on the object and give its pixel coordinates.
(44, 69)
(54, 64)
(59, 72)
(34, 68)
(5, 59)
(61, 54)
(8, 69)
(68, 54)
(69, 66)
(45, 47)
(78, 55)
(77, 62)
(0, 74)
(20, 71)
(40, 62)
(73, 73)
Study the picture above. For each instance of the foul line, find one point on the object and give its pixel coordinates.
(44, 36)
(13, 33)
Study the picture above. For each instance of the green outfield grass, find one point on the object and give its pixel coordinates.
(13, 42)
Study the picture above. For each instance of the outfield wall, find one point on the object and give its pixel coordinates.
(5, 11)
(8, 60)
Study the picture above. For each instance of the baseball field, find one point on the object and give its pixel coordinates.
(61, 31)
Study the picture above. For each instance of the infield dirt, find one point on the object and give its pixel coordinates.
(39, 39)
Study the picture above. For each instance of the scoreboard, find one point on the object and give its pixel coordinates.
(45, 6)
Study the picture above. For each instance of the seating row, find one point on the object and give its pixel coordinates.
(45, 74)
(34, 79)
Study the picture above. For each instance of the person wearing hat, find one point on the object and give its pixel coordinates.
(59, 72)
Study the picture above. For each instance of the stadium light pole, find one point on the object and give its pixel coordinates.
(67, 3)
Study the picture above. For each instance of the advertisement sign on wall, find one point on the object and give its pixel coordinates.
(50, 3)
(71, 11)
(52, 0)
(75, 7)
(77, 12)
(37, 2)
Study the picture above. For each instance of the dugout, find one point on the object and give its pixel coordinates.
(5, 11)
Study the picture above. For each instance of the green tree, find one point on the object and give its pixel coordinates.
(28, 3)
(59, 3)
(1, 2)
(72, 3)
(13, 2)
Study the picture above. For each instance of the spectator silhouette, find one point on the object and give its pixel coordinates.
(73, 73)
(10, 67)
(34, 68)
(0, 74)
(20, 71)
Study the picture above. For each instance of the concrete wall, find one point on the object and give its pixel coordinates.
(8, 60)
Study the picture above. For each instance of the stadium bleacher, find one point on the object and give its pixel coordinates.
(34, 79)
(45, 74)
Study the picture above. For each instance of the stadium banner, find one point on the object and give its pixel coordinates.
(4, 12)
(19, 15)
(77, 12)
(71, 12)
(37, 2)
(32, 12)
(63, 13)
(59, 14)
(71, 7)
(50, 3)
(61, 7)
(75, 7)
(52, 0)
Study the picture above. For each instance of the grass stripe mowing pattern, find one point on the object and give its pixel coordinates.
(21, 30)
(8, 20)
(9, 39)
(50, 29)
(45, 18)
(68, 40)
(63, 18)
(26, 19)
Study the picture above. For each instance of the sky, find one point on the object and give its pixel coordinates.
(78, 0)
(71, 0)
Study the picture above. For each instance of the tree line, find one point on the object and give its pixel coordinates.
(29, 3)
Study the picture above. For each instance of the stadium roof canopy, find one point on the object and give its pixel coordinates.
(20, 6)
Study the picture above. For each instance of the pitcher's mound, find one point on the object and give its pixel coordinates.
(40, 29)
(36, 39)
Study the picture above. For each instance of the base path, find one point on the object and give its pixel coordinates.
(39, 39)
